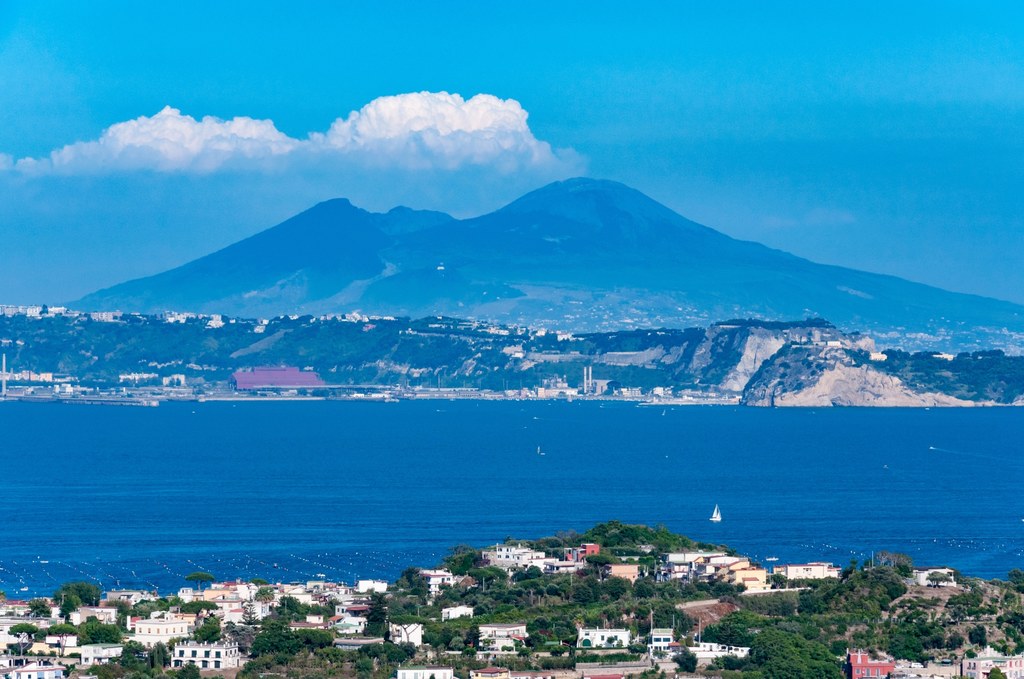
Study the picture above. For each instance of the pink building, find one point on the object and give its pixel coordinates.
(860, 665)
(284, 377)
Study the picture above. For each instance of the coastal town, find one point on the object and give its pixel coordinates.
(618, 601)
(53, 354)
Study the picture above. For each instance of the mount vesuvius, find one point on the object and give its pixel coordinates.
(578, 254)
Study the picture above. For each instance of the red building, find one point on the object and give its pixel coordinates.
(582, 552)
(860, 665)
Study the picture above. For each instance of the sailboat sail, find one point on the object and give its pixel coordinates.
(717, 514)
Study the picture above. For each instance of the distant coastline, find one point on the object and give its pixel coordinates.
(107, 358)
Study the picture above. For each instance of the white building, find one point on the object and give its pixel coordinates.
(36, 671)
(454, 612)
(500, 637)
(815, 570)
(661, 639)
(425, 672)
(205, 656)
(100, 654)
(513, 556)
(706, 651)
(922, 575)
(129, 596)
(438, 579)
(364, 586)
(411, 633)
(67, 642)
(350, 624)
(153, 631)
(603, 638)
(682, 565)
(105, 614)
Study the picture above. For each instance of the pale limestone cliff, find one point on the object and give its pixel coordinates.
(847, 385)
(759, 347)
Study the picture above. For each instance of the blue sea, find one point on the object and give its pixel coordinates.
(133, 497)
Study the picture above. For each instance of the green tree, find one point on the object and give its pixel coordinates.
(275, 639)
(23, 632)
(208, 631)
(93, 631)
(39, 608)
(132, 657)
(377, 616)
(249, 616)
(937, 578)
(264, 595)
(189, 671)
(996, 673)
(781, 655)
(86, 592)
(193, 607)
(62, 632)
(686, 660)
(736, 629)
(200, 578)
(364, 667)
(314, 638)
(159, 656)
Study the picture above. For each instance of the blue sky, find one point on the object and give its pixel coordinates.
(887, 139)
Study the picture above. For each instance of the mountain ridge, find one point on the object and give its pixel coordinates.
(582, 254)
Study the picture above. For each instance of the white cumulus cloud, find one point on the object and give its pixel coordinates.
(168, 142)
(431, 129)
(423, 130)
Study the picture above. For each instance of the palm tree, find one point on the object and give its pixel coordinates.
(264, 595)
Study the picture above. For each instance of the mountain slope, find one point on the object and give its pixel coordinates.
(578, 254)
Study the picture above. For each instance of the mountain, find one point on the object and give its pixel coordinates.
(578, 254)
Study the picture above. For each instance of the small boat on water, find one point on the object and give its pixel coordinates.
(772, 559)
(716, 515)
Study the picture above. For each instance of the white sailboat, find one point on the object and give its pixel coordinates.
(716, 515)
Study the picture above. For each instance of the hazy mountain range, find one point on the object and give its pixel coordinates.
(578, 254)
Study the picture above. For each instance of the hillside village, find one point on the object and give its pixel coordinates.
(616, 601)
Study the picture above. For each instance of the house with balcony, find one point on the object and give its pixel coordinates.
(205, 656)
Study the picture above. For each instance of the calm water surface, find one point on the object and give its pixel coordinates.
(142, 496)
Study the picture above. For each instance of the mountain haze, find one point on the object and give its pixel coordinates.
(577, 254)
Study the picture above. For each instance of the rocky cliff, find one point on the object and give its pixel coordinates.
(832, 376)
